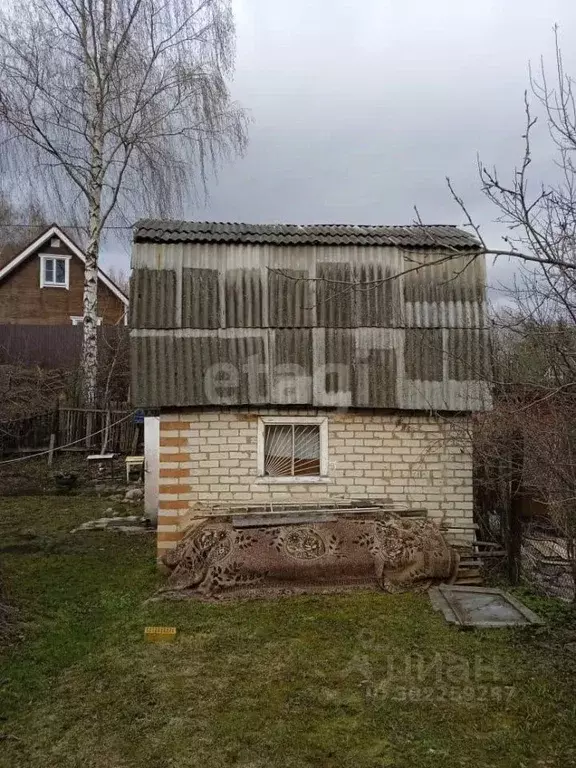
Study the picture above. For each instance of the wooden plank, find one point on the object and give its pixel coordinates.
(101, 457)
(470, 562)
(106, 434)
(134, 443)
(293, 517)
(88, 429)
(485, 555)
(471, 527)
(51, 449)
(269, 521)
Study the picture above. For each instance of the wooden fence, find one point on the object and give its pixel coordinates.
(56, 346)
(77, 429)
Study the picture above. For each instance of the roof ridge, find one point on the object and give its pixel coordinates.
(424, 236)
(214, 222)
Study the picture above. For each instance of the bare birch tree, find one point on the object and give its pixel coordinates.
(121, 107)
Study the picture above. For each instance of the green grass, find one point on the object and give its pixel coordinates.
(310, 681)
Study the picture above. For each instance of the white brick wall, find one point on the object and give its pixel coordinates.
(210, 458)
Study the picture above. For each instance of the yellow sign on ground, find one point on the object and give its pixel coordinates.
(159, 634)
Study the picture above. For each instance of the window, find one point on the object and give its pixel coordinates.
(53, 272)
(293, 449)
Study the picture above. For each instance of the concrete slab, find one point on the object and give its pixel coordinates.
(481, 607)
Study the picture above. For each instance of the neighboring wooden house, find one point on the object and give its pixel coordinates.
(43, 285)
(307, 364)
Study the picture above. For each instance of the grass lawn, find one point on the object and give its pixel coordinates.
(308, 681)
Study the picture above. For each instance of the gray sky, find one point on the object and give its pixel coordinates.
(360, 109)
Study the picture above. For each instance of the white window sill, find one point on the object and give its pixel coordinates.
(280, 480)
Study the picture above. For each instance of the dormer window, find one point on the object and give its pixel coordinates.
(54, 271)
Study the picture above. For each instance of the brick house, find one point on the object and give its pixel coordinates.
(297, 364)
(43, 285)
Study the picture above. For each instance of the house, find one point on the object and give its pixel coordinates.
(300, 364)
(43, 285)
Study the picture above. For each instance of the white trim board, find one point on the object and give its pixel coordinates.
(79, 320)
(55, 231)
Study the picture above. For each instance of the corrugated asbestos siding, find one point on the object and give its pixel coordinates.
(291, 365)
(467, 353)
(200, 298)
(199, 370)
(290, 299)
(245, 324)
(153, 298)
(423, 354)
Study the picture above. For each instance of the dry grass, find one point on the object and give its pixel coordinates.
(309, 681)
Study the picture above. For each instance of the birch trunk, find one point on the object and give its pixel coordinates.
(90, 309)
(95, 104)
(90, 299)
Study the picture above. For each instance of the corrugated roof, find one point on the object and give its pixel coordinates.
(413, 236)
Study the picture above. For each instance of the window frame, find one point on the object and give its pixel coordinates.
(44, 257)
(319, 421)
